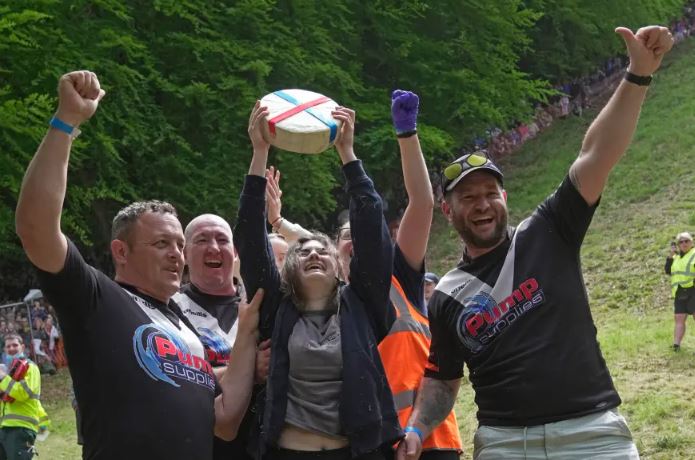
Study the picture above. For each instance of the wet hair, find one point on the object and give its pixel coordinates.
(291, 268)
(122, 225)
(13, 337)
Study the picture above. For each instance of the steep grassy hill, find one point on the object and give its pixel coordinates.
(649, 199)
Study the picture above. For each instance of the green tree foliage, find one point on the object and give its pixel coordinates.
(182, 75)
(573, 36)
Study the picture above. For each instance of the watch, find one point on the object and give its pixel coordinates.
(639, 80)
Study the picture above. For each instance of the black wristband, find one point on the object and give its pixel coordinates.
(405, 134)
(638, 79)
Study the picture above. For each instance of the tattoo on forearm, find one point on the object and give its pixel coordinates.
(435, 400)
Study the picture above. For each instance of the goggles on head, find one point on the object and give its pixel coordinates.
(453, 173)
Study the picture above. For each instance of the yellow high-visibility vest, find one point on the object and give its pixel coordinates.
(683, 271)
(26, 410)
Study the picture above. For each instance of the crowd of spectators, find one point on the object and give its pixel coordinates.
(36, 323)
(571, 98)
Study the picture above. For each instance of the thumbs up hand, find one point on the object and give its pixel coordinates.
(646, 48)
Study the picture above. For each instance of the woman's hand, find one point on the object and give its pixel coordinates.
(273, 195)
(344, 144)
(260, 145)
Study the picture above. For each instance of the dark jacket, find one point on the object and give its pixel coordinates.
(367, 411)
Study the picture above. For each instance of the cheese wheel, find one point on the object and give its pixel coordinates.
(300, 121)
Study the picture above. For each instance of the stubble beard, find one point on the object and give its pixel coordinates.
(474, 240)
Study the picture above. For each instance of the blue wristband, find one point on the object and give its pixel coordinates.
(59, 124)
(412, 429)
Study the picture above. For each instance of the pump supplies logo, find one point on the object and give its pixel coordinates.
(217, 349)
(483, 319)
(162, 354)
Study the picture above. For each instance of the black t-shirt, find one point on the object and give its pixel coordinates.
(215, 319)
(519, 318)
(141, 379)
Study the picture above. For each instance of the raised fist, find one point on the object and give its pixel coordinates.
(404, 108)
(79, 94)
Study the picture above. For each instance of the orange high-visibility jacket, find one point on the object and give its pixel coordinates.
(404, 352)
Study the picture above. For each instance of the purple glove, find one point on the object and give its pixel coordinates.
(404, 106)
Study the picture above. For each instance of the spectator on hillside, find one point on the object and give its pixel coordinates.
(38, 335)
(54, 343)
(680, 264)
(564, 106)
(142, 382)
(522, 129)
(515, 310)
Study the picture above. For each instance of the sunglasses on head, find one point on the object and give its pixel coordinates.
(459, 167)
(473, 160)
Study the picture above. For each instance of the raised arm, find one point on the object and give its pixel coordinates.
(37, 218)
(414, 230)
(238, 378)
(372, 261)
(610, 134)
(258, 269)
(273, 197)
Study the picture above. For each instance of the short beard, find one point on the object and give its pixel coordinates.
(471, 239)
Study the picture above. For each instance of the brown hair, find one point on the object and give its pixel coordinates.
(122, 225)
(290, 270)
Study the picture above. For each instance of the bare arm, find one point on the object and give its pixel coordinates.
(414, 230)
(435, 399)
(610, 134)
(37, 218)
(273, 197)
(238, 378)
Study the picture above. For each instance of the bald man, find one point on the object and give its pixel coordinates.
(211, 302)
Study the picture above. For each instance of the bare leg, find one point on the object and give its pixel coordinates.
(679, 329)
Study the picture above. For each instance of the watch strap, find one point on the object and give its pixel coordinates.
(639, 80)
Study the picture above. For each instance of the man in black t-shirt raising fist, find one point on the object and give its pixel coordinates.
(141, 379)
(515, 309)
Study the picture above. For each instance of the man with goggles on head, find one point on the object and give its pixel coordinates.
(515, 309)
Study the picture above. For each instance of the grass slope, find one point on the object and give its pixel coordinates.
(650, 198)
